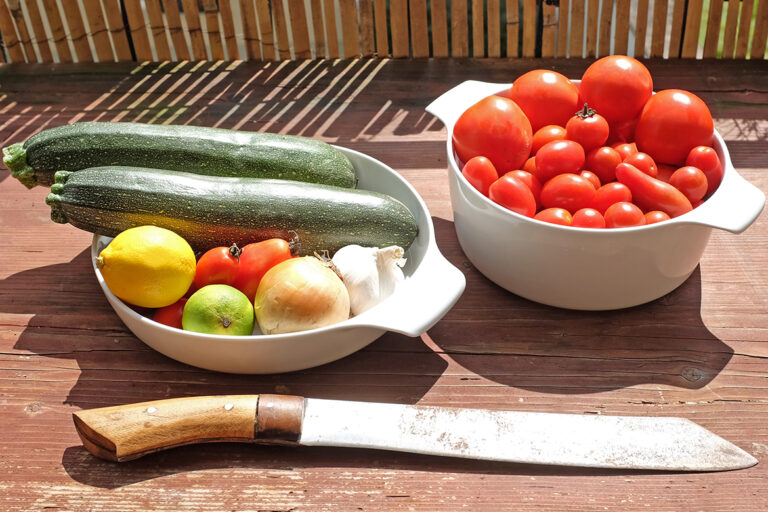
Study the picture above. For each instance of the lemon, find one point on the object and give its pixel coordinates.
(218, 309)
(148, 266)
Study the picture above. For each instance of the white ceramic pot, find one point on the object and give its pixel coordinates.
(431, 288)
(577, 268)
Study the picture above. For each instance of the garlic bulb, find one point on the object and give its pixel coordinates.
(369, 273)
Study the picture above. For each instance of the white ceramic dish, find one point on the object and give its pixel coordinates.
(431, 288)
(577, 268)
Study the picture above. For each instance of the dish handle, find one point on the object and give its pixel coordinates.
(449, 107)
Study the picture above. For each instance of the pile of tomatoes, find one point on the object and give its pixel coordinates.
(604, 153)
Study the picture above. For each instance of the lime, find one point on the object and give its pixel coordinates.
(148, 266)
(218, 309)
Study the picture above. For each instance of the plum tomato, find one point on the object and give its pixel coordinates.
(588, 218)
(623, 215)
(480, 173)
(546, 134)
(655, 216)
(610, 193)
(497, 129)
(558, 157)
(530, 165)
(625, 149)
(603, 161)
(256, 259)
(531, 182)
(171, 315)
(672, 123)
(555, 216)
(217, 266)
(691, 181)
(513, 194)
(665, 172)
(617, 87)
(644, 162)
(705, 158)
(592, 177)
(588, 128)
(568, 191)
(546, 97)
(650, 193)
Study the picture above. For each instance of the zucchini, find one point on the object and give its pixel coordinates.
(196, 149)
(212, 211)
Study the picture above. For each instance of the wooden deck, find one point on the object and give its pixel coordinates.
(700, 352)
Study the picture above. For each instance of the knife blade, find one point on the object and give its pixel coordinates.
(127, 432)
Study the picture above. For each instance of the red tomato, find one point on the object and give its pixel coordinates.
(217, 266)
(256, 259)
(558, 157)
(672, 123)
(650, 193)
(644, 162)
(588, 218)
(546, 134)
(622, 131)
(705, 158)
(616, 86)
(530, 165)
(665, 172)
(603, 161)
(555, 216)
(531, 182)
(497, 129)
(690, 181)
(625, 149)
(546, 97)
(623, 215)
(588, 128)
(513, 194)
(610, 193)
(480, 173)
(171, 315)
(568, 191)
(655, 216)
(592, 177)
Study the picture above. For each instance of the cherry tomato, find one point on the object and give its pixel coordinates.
(665, 172)
(588, 218)
(622, 131)
(568, 191)
(650, 193)
(513, 194)
(558, 157)
(588, 128)
(497, 129)
(546, 97)
(705, 158)
(531, 182)
(546, 134)
(691, 181)
(480, 173)
(592, 177)
(655, 216)
(610, 193)
(171, 315)
(256, 259)
(623, 215)
(603, 161)
(617, 86)
(217, 266)
(555, 216)
(644, 162)
(625, 149)
(672, 123)
(530, 165)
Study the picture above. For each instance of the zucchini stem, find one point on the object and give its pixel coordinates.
(15, 158)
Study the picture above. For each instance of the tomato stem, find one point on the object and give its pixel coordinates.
(235, 251)
(586, 112)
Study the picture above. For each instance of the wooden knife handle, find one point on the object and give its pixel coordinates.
(127, 432)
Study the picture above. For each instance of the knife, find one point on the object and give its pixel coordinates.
(127, 432)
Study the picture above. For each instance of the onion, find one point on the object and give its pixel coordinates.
(300, 294)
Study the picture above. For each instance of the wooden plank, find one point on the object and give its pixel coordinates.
(606, 21)
(367, 37)
(250, 29)
(350, 28)
(692, 26)
(478, 28)
(21, 28)
(141, 44)
(331, 31)
(641, 28)
(494, 28)
(731, 26)
(576, 43)
(459, 29)
(382, 27)
(593, 15)
(319, 30)
(713, 29)
(77, 33)
(417, 12)
(529, 28)
(548, 30)
(10, 37)
(299, 29)
(41, 38)
(621, 33)
(659, 34)
(398, 24)
(176, 30)
(265, 28)
(761, 31)
(563, 12)
(215, 43)
(228, 28)
(194, 29)
(116, 29)
(98, 30)
(676, 31)
(57, 30)
(742, 42)
(281, 27)
(157, 29)
(513, 28)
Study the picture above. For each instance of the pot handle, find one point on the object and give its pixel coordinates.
(454, 102)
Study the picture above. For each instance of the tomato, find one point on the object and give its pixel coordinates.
(568, 191)
(558, 157)
(610, 193)
(672, 123)
(650, 193)
(644, 162)
(531, 182)
(546, 134)
(530, 165)
(171, 315)
(217, 266)
(617, 87)
(588, 128)
(513, 194)
(480, 173)
(497, 129)
(588, 218)
(622, 131)
(623, 215)
(691, 181)
(665, 172)
(592, 177)
(256, 259)
(555, 216)
(625, 149)
(655, 216)
(705, 158)
(546, 97)
(603, 161)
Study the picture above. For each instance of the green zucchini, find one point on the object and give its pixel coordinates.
(195, 149)
(212, 211)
